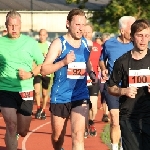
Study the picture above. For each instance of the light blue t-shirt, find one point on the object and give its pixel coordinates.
(112, 50)
(66, 89)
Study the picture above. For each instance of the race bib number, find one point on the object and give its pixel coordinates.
(139, 78)
(26, 95)
(89, 81)
(76, 70)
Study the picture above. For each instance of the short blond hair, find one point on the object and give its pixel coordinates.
(12, 14)
(89, 24)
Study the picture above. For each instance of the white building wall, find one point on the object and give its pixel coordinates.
(53, 21)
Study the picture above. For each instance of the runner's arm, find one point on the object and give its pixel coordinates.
(116, 91)
(102, 65)
(89, 64)
(115, 79)
(54, 51)
(36, 70)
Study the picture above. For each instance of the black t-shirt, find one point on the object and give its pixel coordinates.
(138, 107)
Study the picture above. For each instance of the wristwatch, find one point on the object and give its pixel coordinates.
(32, 74)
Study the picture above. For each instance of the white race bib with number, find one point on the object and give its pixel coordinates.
(76, 70)
(26, 95)
(139, 78)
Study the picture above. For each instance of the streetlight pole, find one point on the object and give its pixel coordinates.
(31, 15)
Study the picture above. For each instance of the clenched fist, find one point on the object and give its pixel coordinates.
(131, 91)
(23, 75)
(69, 58)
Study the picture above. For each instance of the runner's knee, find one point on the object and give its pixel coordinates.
(37, 93)
(23, 133)
(45, 95)
(11, 126)
(57, 138)
(114, 118)
(77, 137)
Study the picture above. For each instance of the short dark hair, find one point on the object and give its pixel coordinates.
(75, 12)
(139, 25)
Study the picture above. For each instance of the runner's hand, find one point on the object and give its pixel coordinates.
(93, 77)
(69, 58)
(131, 91)
(105, 74)
(23, 75)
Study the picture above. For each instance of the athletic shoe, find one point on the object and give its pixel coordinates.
(86, 133)
(43, 115)
(105, 118)
(121, 148)
(62, 149)
(92, 130)
(38, 114)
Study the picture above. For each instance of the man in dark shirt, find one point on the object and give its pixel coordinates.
(132, 70)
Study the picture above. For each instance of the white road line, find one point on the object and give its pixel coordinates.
(28, 135)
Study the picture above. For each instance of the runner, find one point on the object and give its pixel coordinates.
(132, 70)
(113, 49)
(43, 45)
(105, 118)
(93, 89)
(17, 53)
(67, 58)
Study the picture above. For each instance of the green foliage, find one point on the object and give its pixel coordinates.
(81, 3)
(76, 1)
(109, 16)
(106, 18)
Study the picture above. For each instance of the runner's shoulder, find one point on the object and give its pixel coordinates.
(28, 38)
(124, 57)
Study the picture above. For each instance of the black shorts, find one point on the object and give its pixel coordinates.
(60, 109)
(80, 102)
(64, 109)
(94, 89)
(45, 81)
(14, 100)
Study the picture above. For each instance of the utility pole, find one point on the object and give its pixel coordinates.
(31, 15)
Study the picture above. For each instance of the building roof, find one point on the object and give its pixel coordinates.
(47, 5)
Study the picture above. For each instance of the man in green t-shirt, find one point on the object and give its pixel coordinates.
(17, 53)
(43, 45)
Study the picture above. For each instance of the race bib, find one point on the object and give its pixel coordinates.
(139, 78)
(76, 70)
(26, 95)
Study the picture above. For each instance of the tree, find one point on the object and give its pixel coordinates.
(81, 3)
(106, 18)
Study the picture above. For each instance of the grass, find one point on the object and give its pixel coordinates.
(105, 135)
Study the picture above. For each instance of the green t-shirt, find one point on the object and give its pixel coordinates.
(44, 49)
(17, 54)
